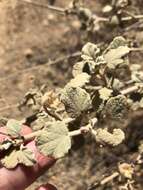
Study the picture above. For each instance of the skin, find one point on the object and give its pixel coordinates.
(21, 177)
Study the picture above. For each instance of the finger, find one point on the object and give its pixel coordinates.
(47, 187)
(21, 177)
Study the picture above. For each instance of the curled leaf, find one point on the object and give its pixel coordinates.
(76, 100)
(54, 140)
(104, 137)
(50, 100)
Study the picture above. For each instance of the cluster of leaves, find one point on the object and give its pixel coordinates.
(101, 90)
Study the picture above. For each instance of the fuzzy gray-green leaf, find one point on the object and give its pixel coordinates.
(115, 57)
(23, 156)
(105, 93)
(117, 42)
(90, 51)
(80, 80)
(76, 100)
(54, 140)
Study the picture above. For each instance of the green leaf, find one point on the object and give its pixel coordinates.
(13, 127)
(90, 51)
(85, 66)
(117, 107)
(54, 140)
(100, 61)
(23, 156)
(105, 93)
(115, 57)
(78, 68)
(80, 80)
(76, 100)
(117, 42)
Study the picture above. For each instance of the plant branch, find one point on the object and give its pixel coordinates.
(53, 113)
(9, 107)
(109, 178)
(80, 131)
(128, 18)
(137, 49)
(49, 63)
(129, 90)
(50, 7)
(32, 136)
(98, 18)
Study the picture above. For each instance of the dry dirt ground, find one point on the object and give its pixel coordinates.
(30, 37)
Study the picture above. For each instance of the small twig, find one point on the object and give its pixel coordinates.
(135, 25)
(98, 18)
(112, 81)
(82, 130)
(63, 11)
(53, 113)
(137, 49)
(128, 13)
(128, 18)
(9, 107)
(32, 136)
(50, 7)
(93, 88)
(58, 60)
(129, 90)
(109, 178)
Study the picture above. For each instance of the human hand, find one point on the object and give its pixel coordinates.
(21, 177)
